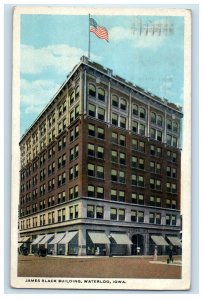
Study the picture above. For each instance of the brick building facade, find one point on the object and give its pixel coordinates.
(100, 169)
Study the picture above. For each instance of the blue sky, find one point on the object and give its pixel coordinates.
(140, 50)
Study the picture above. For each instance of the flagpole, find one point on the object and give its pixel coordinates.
(89, 40)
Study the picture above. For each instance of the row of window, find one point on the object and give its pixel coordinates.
(119, 214)
(137, 111)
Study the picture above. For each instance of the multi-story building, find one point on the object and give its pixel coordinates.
(100, 169)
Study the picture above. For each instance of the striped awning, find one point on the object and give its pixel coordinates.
(21, 239)
(121, 238)
(159, 240)
(46, 239)
(58, 237)
(175, 241)
(25, 239)
(98, 238)
(68, 237)
(38, 239)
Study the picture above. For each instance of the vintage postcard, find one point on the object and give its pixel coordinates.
(101, 148)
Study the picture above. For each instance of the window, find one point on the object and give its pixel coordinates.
(152, 201)
(114, 156)
(141, 181)
(168, 203)
(71, 212)
(113, 195)
(134, 144)
(151, 218)
(72, 98)
(141, 147)
(168, 171)
(76, 131)
(71, 174)
(134, 198)
(77, 92)
(159, 136)
(121, 196)
(174, 141)
(134, 179)
(91, 191)
(63, 214)
(135, 110)
(100, 172)
(122, 140)
(134, 126)
(101, 114)
(175, 127)
(101, 94)
(91, 150)
(121, 214)
(174, 157)
(100, 152)
(174, 204)
(142, 129)
(76, 171)
(72, 116)
(100, 192)
(168, 139)
(173, 220)
(122, 122)
(92, 90)
(174, 188)
(142, 113)
(91, 129)
(99, 212)
(113, 214)
(141, 163)
(114, 176)
(159, 121)
(114, 119)
(76, 191)
(140, 216)
(121, 176)
(169, 124)
(123, 104)
(100, 133)
(152, 133)
(114, 100)
(133, 215)
(91, 170)
(122, 158)
(158, 219)
(168, 219)
(90, 211)
(92, 110)
(114, 137)
(70, 193)
(141, 199)
(77, 111)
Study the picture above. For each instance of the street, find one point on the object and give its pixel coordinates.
(98, 267)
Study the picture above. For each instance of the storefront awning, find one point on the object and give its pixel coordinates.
(99, 238)
(58, 237)
(175, 241)
(38, 239)
(21, 239)
(121, 239)
(159, 240)
(25, 239)
(20, 244)
(68, 237)
(46, 239)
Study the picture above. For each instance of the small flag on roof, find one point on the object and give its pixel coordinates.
(99, 31)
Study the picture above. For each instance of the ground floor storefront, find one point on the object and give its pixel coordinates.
(102, 241)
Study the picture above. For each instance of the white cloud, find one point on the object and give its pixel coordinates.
(36, 94)
(58, 58)
(121, 34)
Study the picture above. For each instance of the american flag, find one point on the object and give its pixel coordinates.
(100, 31)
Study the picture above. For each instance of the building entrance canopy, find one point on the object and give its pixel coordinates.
(38, 239)
(159, 240)
(58, 237)
(121, 238)
(175, 241)
(68, 237)
(99, 238)
(46, 239)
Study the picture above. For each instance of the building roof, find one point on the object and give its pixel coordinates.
(109, 73)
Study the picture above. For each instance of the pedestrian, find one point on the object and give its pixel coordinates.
(155, 253)
(170, 256)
